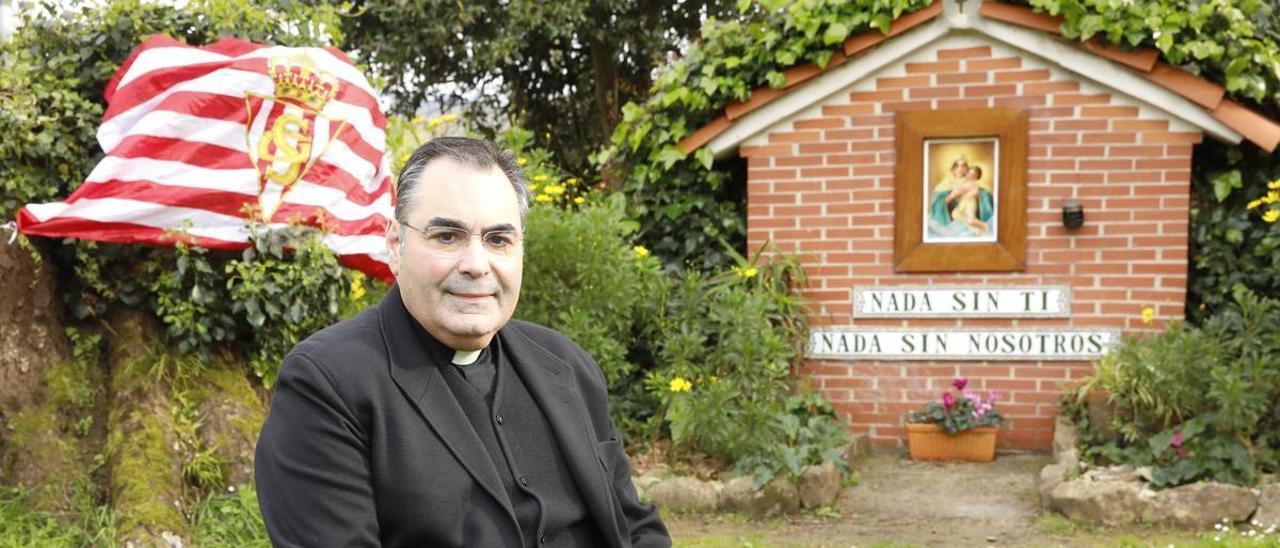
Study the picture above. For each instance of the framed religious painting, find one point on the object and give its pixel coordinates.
(960, 191)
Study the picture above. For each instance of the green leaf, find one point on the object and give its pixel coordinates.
(1224, 182)
(835, 34)
(882, 21)
(705, 157)
(670, 155)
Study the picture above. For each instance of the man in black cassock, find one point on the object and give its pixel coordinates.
(432, 419)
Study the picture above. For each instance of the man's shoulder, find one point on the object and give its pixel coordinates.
(561, 347)
(549, 339)
(349, 343)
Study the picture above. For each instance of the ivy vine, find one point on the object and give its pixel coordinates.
(687, 203)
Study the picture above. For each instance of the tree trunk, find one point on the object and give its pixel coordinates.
(604, 71)
(31, 335)
(172, 431)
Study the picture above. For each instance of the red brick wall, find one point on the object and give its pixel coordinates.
(823, 187)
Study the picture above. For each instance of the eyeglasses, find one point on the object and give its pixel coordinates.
(451, 240)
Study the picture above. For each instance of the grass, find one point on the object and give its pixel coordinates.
(722, 541)
(1056, 524)
(232, 519)
(21, 526)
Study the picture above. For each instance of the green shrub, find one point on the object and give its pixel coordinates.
(1231, 244)
(805, 432)
(724, 348)
(583, 278)
(1194, 403)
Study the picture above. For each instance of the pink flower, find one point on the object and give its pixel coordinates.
(948, 400)
(1177, 440)
(960, 383)
(993, 395)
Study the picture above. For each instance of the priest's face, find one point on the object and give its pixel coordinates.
(460, 288)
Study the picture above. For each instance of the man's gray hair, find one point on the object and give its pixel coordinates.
(473, 153)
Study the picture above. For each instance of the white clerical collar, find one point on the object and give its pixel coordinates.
(466, 357)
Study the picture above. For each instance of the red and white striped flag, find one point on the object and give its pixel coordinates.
(197, 137)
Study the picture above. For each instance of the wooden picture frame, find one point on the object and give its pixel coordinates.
(960, 191)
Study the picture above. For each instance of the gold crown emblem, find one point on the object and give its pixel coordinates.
(298, 79)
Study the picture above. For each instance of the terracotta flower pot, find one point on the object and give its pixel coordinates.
(931, 442)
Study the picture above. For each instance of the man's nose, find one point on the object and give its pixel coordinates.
(473, 260)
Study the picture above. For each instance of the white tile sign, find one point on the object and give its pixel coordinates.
(960, 344)
(961, 302)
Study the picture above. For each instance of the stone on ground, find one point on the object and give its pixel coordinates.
(685, 494)
(1268, 514)
(1107, 502)
(1200, 505)
(819, 485)
(779, 496)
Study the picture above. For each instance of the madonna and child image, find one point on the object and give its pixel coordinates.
(962, 184)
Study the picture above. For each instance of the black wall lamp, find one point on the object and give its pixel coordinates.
(1073, 213)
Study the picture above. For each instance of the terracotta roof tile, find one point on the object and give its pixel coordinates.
(1021, 16)
(1200, 91)
(800, 73)
(704, 135)
(1143, 59)
(863, 41)
(1255, 127)
(760, 97)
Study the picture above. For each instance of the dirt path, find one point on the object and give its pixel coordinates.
(904, 503)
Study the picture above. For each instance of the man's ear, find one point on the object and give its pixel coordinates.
(394, 242)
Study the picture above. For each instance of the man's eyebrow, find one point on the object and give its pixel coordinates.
(500, 227)
(445, 221)
(454, 223)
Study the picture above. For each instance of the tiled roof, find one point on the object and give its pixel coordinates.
(1255, 127)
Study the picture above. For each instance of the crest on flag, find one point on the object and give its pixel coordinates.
(286, 132)
(205, 140)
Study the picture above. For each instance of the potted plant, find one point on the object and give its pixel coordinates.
(960, 426)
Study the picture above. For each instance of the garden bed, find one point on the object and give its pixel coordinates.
(1121, 495)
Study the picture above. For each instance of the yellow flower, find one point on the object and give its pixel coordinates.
(434, 123)
(1148, 315)
(679, 384)
(749, 272)
(543, 198)
(641, 252)
(417, 119)
(579, 200)
(533, 188)
(1274, 185)
(540, 177)
(1271, 198)
(522, 160)
(449, 117)
(1271, 216)
(357, 286)
(572, 181)
(554, 190)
